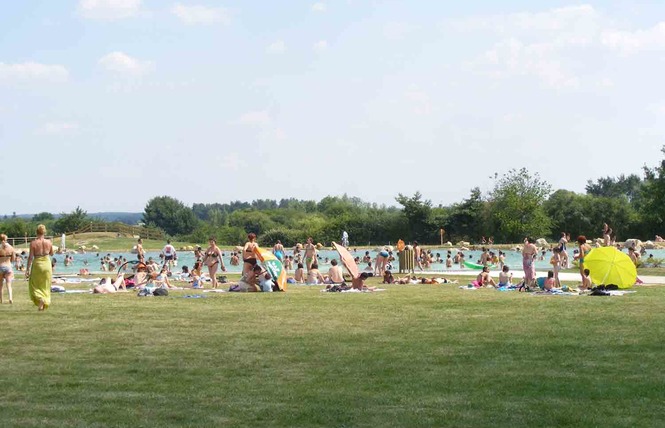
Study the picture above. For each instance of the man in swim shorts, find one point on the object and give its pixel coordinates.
(169, 254)
(140, 253)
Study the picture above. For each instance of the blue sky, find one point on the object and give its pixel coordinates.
(107, 103)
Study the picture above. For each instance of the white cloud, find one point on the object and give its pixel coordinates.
(551, 20)
(630, 42)
(320, 46)
(264, 123)
(419, 101)
(232, 162)
(548, 45)
(57, 128)
(255, 118)
(319, 7)
(193, 15)
(276, 48)
(121, 63)
(511, 58)
(657, 108)
(605, 82)
(272, 135)
(108, 10)
(398, 30)
(33, 71)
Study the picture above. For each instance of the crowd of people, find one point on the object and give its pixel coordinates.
(303, 262)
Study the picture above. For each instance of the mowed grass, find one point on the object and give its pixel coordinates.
(418, 355)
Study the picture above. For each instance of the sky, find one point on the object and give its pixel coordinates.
(105, 104)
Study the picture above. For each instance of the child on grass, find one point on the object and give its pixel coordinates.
(505, 276)
(586, 281)
(299, 275)
(550, 282)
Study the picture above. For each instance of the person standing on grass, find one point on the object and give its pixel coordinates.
(529, 253)
(213, 259)
(310, 253)
(39, 271)
(248, 254)
(584, 249)
(6, 271)
(555, 261)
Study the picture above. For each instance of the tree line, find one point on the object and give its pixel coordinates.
(520, 204)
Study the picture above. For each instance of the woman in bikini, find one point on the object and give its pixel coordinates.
(584, 250)
(213, 259)
(248, 255)
(39, 271)
(7, 256)
(528, 254)
(278, 251)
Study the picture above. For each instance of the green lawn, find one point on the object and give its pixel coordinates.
(410, 356)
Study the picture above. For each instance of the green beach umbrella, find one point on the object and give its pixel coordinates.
(607, 265)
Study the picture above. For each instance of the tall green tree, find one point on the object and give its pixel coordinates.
(170, 215)
(71, 222)
(466, 220)
(652, 199)
(569, 213)
(516, 206)
(616, 187)
(251, 220)
(15, 227)
(417, 212)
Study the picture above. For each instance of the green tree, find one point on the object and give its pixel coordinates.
(170, 215)
(417, 212)
(568, 212)
(652, 199)
(466, 220)
(620, 187)
(251, 220)
(71, 222)
(15, 227)
(42, 217)
(516, 206)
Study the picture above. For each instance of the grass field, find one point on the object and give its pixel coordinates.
(418, 355)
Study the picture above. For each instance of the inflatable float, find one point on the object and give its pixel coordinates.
(477, 266)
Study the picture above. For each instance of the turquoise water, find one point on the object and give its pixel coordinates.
(91, 261)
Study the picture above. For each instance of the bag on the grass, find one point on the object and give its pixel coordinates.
(222, 279)
(160, 292)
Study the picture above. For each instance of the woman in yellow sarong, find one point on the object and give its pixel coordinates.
(40, 275)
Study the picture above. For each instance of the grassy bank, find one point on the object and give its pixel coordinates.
(409, 356)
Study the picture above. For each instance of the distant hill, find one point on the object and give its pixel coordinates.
(127, 218)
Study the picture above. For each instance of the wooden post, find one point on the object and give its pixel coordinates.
(442, 232)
